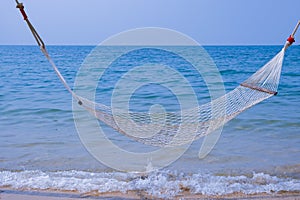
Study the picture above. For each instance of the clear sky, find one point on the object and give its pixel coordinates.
(210, 22)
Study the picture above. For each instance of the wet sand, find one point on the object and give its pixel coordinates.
(8, 194)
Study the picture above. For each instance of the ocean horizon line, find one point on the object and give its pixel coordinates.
(205, 45)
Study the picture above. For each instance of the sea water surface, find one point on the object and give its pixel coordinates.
(259, 151)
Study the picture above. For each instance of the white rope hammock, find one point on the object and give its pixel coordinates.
(195, 122)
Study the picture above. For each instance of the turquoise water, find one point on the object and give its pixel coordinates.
(259, 151)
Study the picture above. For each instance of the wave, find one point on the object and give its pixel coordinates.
(162, 184)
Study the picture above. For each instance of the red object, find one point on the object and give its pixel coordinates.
(291, 40)
(21, 7)
(23, 13)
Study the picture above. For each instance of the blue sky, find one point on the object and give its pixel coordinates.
(210, 22)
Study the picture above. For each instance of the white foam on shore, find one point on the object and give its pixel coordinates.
(163, 184)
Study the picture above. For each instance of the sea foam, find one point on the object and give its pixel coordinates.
(162, 184)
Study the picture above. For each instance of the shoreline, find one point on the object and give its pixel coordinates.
(14, 194)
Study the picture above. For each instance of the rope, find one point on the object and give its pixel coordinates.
(32, 29)
(42, 46)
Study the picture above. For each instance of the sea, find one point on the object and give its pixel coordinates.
(40, 149)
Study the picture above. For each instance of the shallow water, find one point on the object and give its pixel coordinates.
(259, 151)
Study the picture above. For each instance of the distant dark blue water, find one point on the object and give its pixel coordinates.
(38, 137)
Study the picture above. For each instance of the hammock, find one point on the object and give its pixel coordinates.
(178, 128)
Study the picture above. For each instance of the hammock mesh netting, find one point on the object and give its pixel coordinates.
(177, 128)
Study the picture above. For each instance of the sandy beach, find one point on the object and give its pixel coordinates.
(10, 194)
